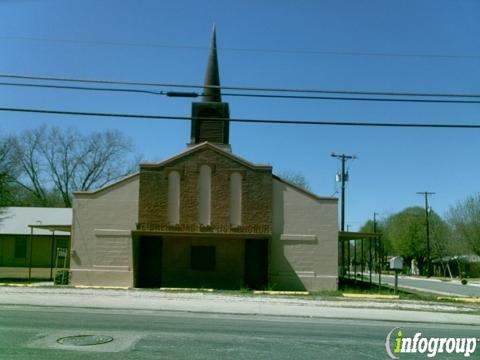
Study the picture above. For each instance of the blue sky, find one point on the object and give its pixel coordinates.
(167, 42)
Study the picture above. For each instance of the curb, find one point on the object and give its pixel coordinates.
(271, 292)
(24, 285)
(100, 287)
(196, 290)
(471, 300)
(370, 296)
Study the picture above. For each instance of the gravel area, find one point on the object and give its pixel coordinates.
(400, 310)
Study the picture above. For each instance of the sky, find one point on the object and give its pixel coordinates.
(396, 46)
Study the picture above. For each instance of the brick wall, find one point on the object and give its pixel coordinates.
(256, 189)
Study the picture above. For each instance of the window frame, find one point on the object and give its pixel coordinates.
(203, 258)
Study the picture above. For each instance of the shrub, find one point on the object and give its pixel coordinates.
(62, 277)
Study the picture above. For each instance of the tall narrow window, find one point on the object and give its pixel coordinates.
(204, 189)
(173, 198)
(236, 199)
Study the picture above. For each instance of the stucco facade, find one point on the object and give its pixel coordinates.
(101, 234)
(304, 248)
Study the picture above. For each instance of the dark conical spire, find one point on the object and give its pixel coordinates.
(210, 117)
(212, 77)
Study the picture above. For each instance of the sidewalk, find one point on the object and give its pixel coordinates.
(471, 282)
(392, 310)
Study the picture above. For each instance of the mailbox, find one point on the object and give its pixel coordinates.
(396, 263)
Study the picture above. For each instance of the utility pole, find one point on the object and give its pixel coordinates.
(343, 179)
(427, 226)
(370, 244)
(379, 255)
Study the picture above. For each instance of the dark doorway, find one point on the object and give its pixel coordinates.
(256, 263)
(150, 262)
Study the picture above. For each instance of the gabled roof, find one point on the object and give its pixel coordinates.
(202, 146)
(16, 220)
(109, 185)
(302, 190)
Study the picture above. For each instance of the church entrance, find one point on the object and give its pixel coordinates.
(256, 263)
(149, 268)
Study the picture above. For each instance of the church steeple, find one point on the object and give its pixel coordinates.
(212, 76)
(210, 117)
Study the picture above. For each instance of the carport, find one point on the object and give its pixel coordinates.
(52, 228)
(367, 256)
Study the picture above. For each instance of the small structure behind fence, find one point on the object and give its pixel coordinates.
(360, 253)
(29, 239)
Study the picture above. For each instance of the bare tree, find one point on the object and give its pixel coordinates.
(8, 170)
(33, 178)
(296, 178)
(66, 161)
(464, 218)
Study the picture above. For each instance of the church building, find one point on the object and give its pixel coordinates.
(205, 218)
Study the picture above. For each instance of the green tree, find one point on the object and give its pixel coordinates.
(406, 233)
(368, 227)
(464, 219)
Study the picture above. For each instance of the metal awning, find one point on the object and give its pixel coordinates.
(52, 228)
(353, 235)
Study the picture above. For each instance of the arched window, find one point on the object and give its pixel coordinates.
(173, 198)
(204, 190)
(236, 199)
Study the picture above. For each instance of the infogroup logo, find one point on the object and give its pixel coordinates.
(397, 343)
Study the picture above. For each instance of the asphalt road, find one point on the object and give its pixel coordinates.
(31, 333)
(434, 286)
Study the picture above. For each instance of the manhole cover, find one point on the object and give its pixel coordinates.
(84, 340)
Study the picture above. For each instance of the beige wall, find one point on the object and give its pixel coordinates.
(304, 250)
(101, 234)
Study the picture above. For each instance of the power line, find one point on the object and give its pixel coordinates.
(239, 88)
(68, 87)
(274, 96)
(255, 121)
(354, 98)
(193, 94)
(261, 50)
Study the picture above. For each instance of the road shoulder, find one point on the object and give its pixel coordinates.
(200, 302)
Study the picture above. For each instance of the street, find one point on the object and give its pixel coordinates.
(29, 332)
(432, 285)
